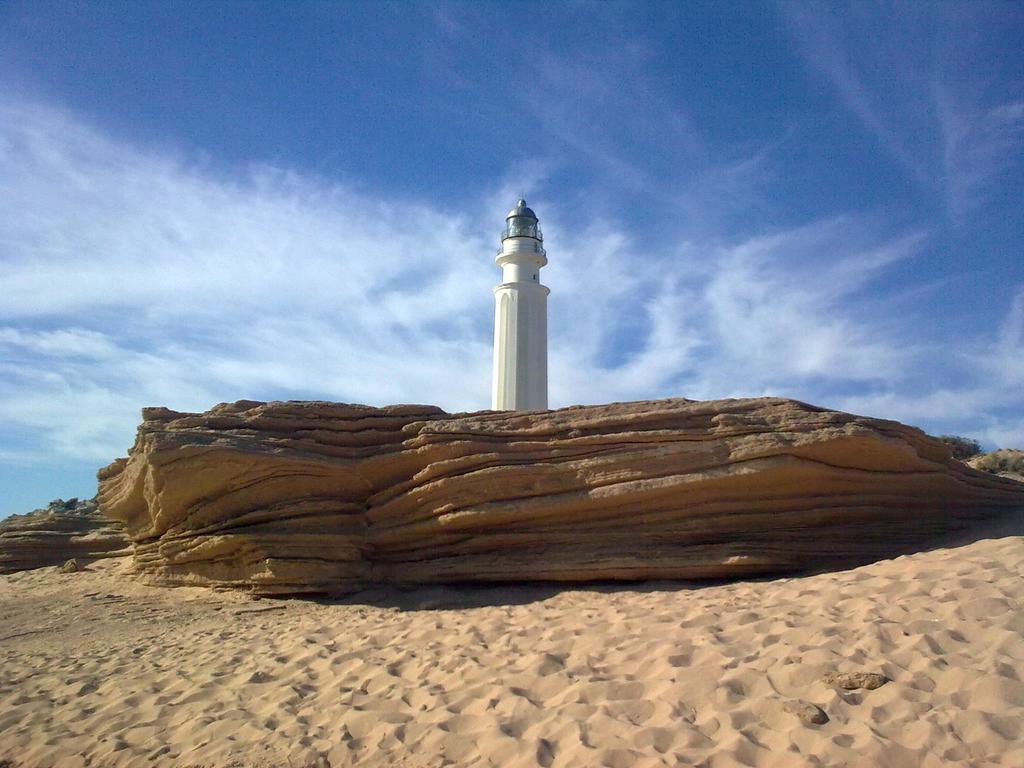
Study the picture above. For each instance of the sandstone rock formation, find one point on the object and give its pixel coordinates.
(65, 530)
(323, 497)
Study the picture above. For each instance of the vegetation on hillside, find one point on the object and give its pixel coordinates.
(963, 447)
(1003, 461)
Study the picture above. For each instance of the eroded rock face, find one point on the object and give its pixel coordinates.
(65, 530)
(325, 497)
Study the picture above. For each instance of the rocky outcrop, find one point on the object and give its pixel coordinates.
(65, 530)
(324, 497)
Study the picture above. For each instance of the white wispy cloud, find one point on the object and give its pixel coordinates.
(1002, 361)
(783, 313)
(135, 276)
(988, 402)
(916, 76)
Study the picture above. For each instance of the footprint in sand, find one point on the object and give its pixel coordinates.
(545, 753)
(633, 711)
(551, 664)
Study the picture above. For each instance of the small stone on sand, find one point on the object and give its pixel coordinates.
(809, 713)
(853, 681)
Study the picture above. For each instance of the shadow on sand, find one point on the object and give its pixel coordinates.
(467, 596)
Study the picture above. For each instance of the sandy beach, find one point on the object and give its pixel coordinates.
(97, 669)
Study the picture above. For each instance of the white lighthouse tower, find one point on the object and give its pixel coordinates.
(521, 317)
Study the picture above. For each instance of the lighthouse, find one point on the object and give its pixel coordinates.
(520, 316)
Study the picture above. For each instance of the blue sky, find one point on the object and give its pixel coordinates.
(204, 202)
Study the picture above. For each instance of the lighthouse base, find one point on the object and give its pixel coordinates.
(520, 377)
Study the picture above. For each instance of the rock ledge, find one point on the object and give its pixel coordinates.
(292, 497)
(62, 531)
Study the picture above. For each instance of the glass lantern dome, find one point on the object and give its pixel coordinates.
(521, 222)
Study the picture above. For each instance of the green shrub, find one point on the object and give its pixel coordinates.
(1004, 460)
(962, 447)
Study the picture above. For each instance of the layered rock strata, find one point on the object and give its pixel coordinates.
(64, 530)
(322, 497)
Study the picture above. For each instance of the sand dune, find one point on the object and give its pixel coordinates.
(97, 669)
